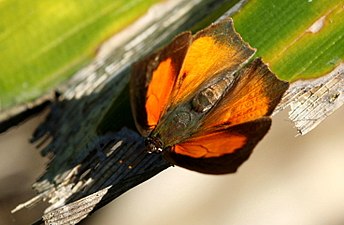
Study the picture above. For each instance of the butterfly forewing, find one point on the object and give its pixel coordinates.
(152, 80)
(213, 49)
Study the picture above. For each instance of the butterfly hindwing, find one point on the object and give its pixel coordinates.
(252, 132)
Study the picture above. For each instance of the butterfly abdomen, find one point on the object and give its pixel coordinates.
(210, 95)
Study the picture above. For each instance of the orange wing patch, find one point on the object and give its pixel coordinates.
(159, 91)
(211, 145)
(204, 57)
(214, 49)
(254, 96)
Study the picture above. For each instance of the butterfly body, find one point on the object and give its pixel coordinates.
(201, 102)
(182, 121)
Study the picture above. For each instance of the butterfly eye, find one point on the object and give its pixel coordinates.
(153, 144)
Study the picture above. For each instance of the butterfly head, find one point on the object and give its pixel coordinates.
(153, 144)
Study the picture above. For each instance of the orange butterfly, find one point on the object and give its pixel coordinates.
(201, 102)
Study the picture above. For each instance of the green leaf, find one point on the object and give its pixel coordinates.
(299, 39)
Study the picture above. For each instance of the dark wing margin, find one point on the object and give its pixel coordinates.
(228, 163)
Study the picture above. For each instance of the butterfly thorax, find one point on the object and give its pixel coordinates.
(177, 126)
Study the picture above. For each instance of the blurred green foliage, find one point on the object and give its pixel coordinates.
(43, 42)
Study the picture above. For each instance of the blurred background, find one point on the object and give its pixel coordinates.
(287, 180)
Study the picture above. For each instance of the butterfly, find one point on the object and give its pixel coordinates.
(202, 101)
